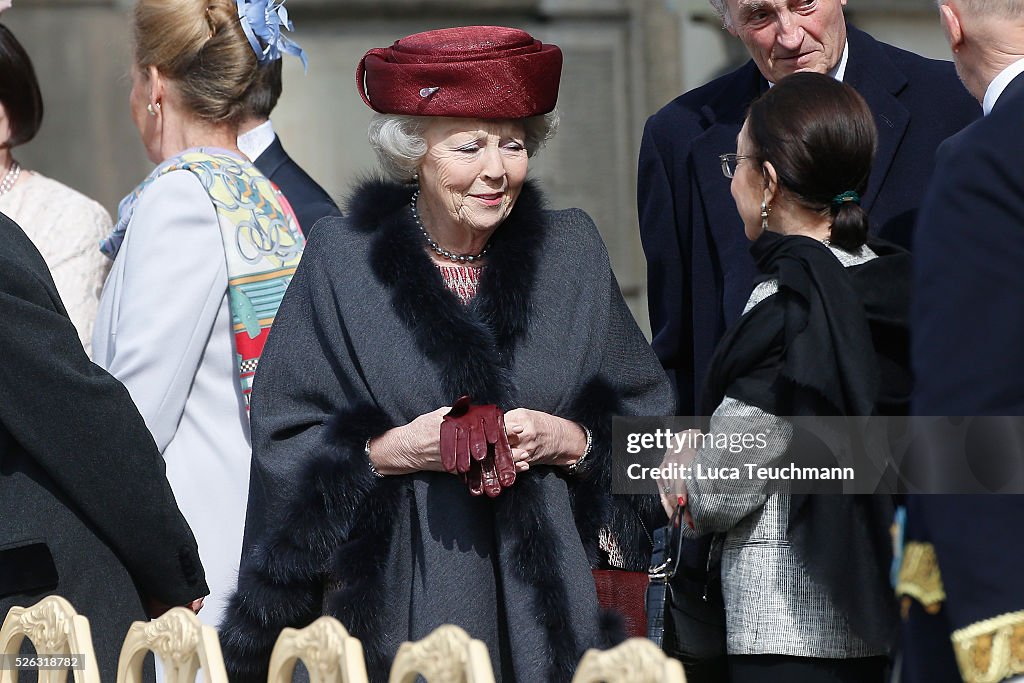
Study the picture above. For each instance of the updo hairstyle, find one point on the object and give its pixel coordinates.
(201, 47)
(820, 136)
(19, 91)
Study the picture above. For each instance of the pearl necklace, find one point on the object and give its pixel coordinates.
(438, 249)
(12, 177)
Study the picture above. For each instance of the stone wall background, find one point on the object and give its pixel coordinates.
(624, 59)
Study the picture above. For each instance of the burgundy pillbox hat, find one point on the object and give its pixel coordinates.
(480, 72)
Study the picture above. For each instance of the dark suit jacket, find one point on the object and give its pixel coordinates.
(81, 480)
(969, 271)
(968, 327)
(309, 201)
(700, 271)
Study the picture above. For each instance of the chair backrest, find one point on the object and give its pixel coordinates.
(637, 660)
(60, 636)
(182, 642)
(328, 652)
(447, 655)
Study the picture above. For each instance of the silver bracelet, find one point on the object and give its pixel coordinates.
(575, 467)
(373, 470)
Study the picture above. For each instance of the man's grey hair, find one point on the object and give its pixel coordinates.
(400, 143)
(723, 12)
(1008, 9)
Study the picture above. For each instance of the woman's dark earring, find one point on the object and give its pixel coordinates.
(764, 216)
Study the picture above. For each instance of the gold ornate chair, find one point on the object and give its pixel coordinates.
(637, 660)
(60, 636)
(447, 655)
(182, 642)
(328, 652)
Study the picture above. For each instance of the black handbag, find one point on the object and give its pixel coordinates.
(685, 608)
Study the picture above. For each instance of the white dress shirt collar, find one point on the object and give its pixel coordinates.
(999, 83)
(255, 142)
(839, 71)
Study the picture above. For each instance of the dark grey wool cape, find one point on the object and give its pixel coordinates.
(369, 338)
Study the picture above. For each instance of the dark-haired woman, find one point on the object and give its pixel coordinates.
(64, 225)
(805, 578)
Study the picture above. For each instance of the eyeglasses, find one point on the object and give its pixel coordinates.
(729, 163)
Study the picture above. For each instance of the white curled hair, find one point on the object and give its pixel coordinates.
(723, 12)
(399, 140)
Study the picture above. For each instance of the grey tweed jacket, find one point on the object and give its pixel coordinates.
(772, 606)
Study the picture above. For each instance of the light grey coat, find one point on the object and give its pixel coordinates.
(772, 606)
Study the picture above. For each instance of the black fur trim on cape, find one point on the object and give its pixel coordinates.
(632, 518)
(591, 504)
(471, 346)
(535, 558)
(356, 601)
(281, 583)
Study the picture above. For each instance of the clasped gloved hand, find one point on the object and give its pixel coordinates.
(474, 445)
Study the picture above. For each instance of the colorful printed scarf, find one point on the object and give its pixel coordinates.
(262, 243)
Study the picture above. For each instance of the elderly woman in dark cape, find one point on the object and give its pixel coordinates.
(453, 281)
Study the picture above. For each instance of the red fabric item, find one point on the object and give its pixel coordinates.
(626, 593)
(462, 281)
(474, 444)
(480, 72)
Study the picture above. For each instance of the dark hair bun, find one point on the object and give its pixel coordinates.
(849, 225)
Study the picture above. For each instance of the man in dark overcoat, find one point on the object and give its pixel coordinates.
(85, 509)
(963, 587)
(258, 141)
(700, 271)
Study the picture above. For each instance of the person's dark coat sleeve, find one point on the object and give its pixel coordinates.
(666, 246)
(80, 425)
(969, 249)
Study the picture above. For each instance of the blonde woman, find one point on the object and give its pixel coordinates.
(204, 248)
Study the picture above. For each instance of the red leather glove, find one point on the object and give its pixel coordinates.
(474, 445)
(483, 478)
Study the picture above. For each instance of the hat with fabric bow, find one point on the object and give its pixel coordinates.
(484, 72)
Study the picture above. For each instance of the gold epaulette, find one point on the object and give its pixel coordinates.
(991, 650)
(920, 578)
